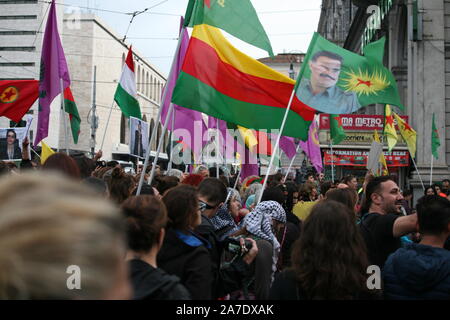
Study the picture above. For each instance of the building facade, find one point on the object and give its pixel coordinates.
(418, 54)
(91, 45)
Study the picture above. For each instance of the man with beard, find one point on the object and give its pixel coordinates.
(381, 224)
(320, 92)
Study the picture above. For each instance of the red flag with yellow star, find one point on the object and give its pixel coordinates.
(17, 97)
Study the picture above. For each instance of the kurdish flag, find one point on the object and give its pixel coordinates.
(389, 128)
(223, 82)
(408, 134)
(126, 92)
(237, 17)
(337, 81)
(71, 108)
(17, 97)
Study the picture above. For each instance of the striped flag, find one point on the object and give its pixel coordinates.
(126, 92)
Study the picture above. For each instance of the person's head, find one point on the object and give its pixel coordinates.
(121, 186)
(11, 136)
(182, 208)
(437, 188)
(51, 229)
(165, 183)
(321, 177)
(430, 191)
(63, 164)
(274, 180)
(446, 184)
(292, 195)
(347, 197)
(146, 218)
(310, 177)
(202, 170)
(234, 202)
(407, 194)
(325, 69)
(330, 259)
(274, 194)
(175, 173)
(382, 196)
(193, 179)
(433, 215)
(97, 185)
(212, 193)
(325, 186)
(308, 191)
(351, 181)
(85, 165)
(146, 189)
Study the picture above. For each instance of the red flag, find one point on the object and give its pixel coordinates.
(17, 97)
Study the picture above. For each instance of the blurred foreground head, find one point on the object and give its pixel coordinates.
(50, 226)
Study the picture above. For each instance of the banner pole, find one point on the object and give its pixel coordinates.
(107, 124)
(418, 173)
(431, 172)
(292, 162)
(276, 146)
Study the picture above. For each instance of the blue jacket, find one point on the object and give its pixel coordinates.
(417, 272)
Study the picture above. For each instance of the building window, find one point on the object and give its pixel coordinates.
(18, 1)
(17, 33)
(30, 17)
(147, 86)
(29, 49)
(16, 64)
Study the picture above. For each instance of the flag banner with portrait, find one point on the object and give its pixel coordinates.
(138, 137)
(337, 81)
(11, 143)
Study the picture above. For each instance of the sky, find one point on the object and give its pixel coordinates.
(289, 24)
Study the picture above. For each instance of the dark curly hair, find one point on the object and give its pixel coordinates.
(330, 259)
(121, 185)
(182, 206)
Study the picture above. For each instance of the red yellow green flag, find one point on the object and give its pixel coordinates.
(389, 128)
(219, 80)
(408, 134)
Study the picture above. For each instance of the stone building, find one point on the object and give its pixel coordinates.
(418, 54)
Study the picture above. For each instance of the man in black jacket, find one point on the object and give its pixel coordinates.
(212, 195)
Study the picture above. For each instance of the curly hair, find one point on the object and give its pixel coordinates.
(330, 259)
(121, 185)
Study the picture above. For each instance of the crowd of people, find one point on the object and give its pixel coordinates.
(198, 237)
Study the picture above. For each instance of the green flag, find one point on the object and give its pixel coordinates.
(375, 50)
(238, 18)
(336, 130)
(435, 143)
(337, 81)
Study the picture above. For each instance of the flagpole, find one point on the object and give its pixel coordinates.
(237, 179)
(332, 161)
(218, 148)
(276, 146)
(292, 162)
(107, 124)
(431, 172)
(169, 166)
(418, 173)
(64, 116)
(158, 118)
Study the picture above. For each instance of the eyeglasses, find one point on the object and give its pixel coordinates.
(204, 206)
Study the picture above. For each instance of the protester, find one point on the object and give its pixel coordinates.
(430, 191)
(63, 164)
(4, 169)
(437, 188)
(265, 224)
(226, 278)
(446, 186)
(146, 219)
(121, 186)
(329, 260)
(308, 191)
(165, 183)
(184, 253)
(202, 170)
(350, 181)
(422, 271)
(224, 221)
(56, 235)
(347, 197)
(381, 225)
(97, 185)
(193, 179)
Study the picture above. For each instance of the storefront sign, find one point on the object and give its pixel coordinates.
(356, 138)
(358, 122)
(359, 158)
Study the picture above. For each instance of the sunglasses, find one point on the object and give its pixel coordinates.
(204, 206)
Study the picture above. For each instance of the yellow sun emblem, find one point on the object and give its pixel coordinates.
(9, 95)
(364, 83)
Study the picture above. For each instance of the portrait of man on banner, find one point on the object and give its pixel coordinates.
(138, 137)
(11, 143)
(320, 91)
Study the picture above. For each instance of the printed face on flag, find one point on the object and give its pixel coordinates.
(138, 137)
(11, 143)
(337, 81)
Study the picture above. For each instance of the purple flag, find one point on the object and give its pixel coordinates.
(312, 147)
(249, 165)
(183, 118)
(53, 70)
(287, 144)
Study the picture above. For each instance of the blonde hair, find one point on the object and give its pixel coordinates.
(47, 224)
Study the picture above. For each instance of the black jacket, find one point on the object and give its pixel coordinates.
(188, 259)
(151, 283)
(228, 278)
